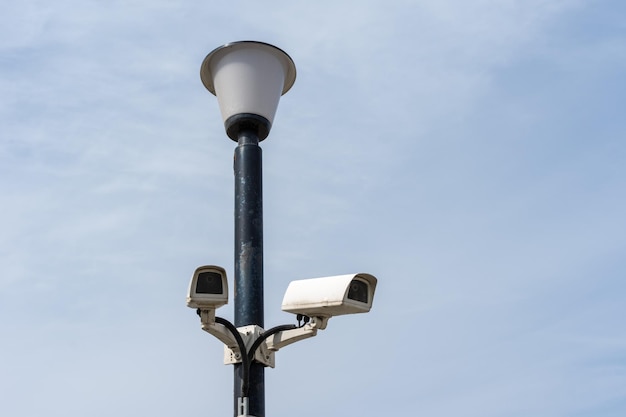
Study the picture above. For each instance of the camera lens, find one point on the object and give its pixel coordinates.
(209, 283)
(358, 291)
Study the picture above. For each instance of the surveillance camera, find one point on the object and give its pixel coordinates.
(330, 296)
(208, 288)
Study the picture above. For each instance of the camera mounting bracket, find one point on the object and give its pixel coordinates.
(249, 334)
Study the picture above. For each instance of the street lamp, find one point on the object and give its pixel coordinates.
(248, 79)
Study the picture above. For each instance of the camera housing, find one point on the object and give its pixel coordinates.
(208, 288)
(330, 296)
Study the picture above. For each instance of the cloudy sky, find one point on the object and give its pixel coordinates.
(469, 153)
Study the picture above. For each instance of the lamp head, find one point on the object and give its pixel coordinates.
(248, 78)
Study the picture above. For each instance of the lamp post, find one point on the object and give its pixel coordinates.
(248, 79)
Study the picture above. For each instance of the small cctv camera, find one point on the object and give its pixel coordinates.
(208, 288)
(330, 296)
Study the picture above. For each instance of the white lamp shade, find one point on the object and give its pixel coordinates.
(248, 77)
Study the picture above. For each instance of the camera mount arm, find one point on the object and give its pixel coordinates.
(221, 329)
(286, 336)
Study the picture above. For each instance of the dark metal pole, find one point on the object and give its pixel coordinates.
(249, 258)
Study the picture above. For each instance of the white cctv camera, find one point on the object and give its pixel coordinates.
(330, 296)
(208, 288)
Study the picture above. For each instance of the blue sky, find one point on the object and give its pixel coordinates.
(470, 154)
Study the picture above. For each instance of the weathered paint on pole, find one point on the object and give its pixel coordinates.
(249, 258)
